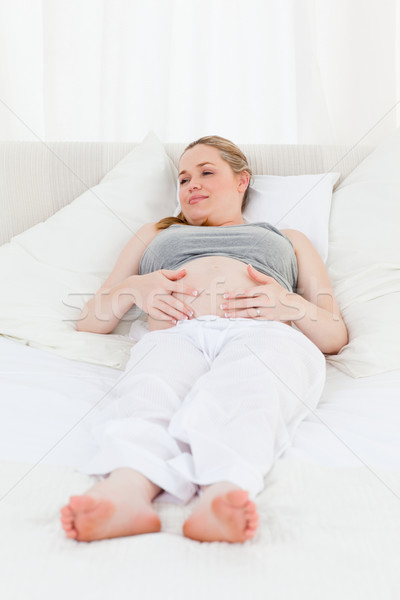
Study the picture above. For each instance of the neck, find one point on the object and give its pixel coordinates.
(228, 222)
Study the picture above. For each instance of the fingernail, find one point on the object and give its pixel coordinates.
(223, 306)
(195, 293)
(226, 295)
(227, 315)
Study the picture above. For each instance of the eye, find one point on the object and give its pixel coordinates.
(185, 180)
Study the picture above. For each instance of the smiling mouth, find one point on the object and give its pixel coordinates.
(196, 199)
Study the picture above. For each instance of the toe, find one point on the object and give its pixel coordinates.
(251, 507)
(65, 511)
(72, 534)
(66, 518)
(69, 530)
(237, 498)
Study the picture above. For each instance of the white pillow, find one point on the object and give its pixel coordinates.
(364, 261)
(50, 271)
(299, 202)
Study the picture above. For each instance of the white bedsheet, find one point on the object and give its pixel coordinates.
(329, 514)
(324, 533)
(47, 401)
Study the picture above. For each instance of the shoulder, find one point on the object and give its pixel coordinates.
(139, 241)
(308, 258)
(295, 236)
(145, 234)
(310, 263)
(149, 230)
(128, 261)
(300, 241)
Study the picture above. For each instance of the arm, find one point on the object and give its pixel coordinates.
(125, 287)
(103, 312)
(313, 308)
(319, 316)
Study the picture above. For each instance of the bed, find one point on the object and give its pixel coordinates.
(330, 511)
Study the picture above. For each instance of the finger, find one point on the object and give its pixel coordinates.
(173, 275)
(176, 312)
(178, 305)
(242, 294)
(159, 315)
(258, 276)
(162, 298)
(183, 289)
(238, 304)
(236, 293)
(247, 313)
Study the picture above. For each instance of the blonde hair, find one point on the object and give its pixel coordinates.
(231, 154)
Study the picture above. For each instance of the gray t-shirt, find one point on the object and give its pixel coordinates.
(260, 244)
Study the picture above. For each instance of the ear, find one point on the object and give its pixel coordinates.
(243, 181)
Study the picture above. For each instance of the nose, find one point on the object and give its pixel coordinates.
(194, 184)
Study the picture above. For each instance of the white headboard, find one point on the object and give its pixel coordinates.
(37, 179)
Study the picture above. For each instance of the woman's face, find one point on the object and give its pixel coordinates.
(209, 189)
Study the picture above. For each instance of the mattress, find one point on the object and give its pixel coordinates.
(329, 513)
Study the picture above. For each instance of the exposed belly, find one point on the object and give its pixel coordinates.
(212, 276)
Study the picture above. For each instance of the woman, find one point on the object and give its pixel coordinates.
(212, 394)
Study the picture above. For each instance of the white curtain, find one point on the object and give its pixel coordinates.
(255, 71)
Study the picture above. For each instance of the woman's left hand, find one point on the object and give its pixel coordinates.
(269, 301)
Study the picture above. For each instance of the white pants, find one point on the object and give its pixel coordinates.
(209, 400)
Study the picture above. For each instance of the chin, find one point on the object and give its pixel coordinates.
(199, 221)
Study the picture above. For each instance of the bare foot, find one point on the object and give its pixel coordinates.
(224, 514)
(117, 506)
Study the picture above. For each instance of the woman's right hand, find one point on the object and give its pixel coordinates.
(153, 294)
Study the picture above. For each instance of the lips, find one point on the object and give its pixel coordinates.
(195, 199)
